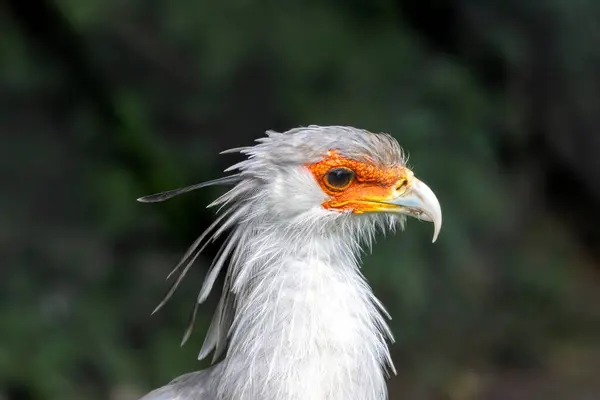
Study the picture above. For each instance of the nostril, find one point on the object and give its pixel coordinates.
(400, 185)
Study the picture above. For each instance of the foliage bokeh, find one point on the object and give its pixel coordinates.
(496, 103)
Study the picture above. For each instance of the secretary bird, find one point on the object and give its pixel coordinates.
(296, 319)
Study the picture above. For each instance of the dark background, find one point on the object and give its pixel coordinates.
(497, 102)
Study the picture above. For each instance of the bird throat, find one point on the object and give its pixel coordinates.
(306, 325)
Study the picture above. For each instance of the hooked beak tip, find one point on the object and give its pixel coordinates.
(420, 202)
(436, 232)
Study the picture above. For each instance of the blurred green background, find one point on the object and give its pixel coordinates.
(497, 103)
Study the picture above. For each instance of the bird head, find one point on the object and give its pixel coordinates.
(323, 177)
(326, 175)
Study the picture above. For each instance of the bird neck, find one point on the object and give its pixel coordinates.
(306, 324)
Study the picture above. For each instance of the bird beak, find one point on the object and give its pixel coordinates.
(420, 202)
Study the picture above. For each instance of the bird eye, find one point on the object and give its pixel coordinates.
(339, 178)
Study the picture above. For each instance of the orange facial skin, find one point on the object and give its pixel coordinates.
(369, 190)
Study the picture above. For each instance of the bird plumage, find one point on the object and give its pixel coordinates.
(296, 317)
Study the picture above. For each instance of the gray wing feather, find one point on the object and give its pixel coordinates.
(216, 338)
(199, 385)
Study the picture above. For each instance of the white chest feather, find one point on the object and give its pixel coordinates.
(306, 327)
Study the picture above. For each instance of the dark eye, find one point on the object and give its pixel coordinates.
(339, 178)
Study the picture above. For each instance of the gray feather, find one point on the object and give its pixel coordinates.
(199, 385)
(162, 196)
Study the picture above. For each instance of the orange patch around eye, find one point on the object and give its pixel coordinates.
(370, 185)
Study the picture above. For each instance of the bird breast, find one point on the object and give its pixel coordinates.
(306, 328)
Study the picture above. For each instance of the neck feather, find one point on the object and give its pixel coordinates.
(302, 322)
